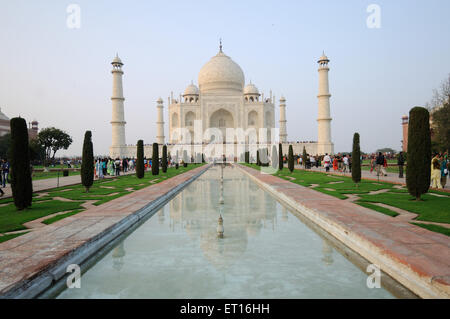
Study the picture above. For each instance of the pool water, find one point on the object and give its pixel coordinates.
(266, 252)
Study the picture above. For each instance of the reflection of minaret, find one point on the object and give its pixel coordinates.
(117, 255)
(161, 216)
(327, 251)
(118, 117)
(284, 215)
(324, 144)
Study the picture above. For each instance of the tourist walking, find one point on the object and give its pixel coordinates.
(400, 163)
(436, 172)
(380, 163)
(345, 160)
(5, 172)
(327, 162)
(117, 165)
(444, 170)
(99, 168)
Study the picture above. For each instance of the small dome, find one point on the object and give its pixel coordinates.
(221, 73)
(159, 101)
(192, 89)
(323, 58)
(251, 89)
(282, 99)
(117, 60)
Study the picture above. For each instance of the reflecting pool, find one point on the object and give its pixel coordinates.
(266, 251)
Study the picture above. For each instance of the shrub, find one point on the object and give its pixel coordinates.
(291, 159)
(21, 185)
(304, 157)
(87, 162)
(419, 152)
(280, 157)
(164, 159)
(66, 172)
(356, 159)
(140, 159)
(155, 159)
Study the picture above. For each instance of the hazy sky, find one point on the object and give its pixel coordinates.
(61, 76)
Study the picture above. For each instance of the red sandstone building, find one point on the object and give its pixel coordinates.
(33, 128)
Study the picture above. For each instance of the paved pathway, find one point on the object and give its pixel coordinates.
(24, 258)
(414, 256)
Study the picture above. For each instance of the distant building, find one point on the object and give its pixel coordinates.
(4, 124)
(405, 122)
(33, 127)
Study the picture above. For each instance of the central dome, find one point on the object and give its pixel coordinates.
(220, 74)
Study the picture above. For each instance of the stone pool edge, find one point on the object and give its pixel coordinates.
(36, 284)
(424, 285)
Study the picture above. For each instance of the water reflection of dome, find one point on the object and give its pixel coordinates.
(223, 252)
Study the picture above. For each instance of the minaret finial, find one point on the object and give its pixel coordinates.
(220, 44)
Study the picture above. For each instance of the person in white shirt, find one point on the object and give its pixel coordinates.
(327, 162)
(345, 159)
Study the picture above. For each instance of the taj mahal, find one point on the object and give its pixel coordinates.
(220, 102)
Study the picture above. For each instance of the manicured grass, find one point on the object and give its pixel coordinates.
(377, 208)
(59, 217)
(430, 208)
(435, 228)
(11, 236)
(11, 219)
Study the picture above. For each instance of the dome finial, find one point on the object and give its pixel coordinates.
(220, 44)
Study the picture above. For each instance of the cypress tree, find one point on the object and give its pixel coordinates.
(419, 152)
(155, 159)
(258, 160)
(87, 162)
(291, 159)
(280, 157)
(304, 156)
(140, 159)
(21, 185)
(164, 159)
(356, 159)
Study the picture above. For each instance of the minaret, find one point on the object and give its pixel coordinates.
(118, 117)
(324, 144)
(283, 132)
(160, 122)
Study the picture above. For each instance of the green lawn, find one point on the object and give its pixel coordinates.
(102, 191)
(431, 208)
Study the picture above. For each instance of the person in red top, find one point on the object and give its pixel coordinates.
(335, 163)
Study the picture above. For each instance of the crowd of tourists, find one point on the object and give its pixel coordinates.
(439, 170)
(112, 167)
